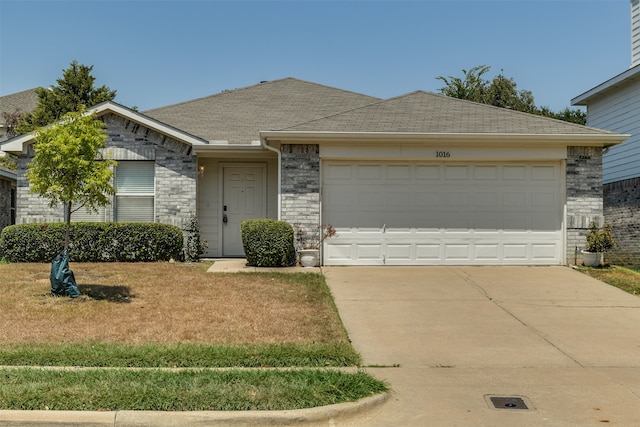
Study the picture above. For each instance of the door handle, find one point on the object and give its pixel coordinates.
(224, 218)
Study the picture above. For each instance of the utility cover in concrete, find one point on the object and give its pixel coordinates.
(500, 402)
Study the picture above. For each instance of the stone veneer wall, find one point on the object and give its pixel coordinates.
(584, 196)
(5, 202)
(622, 211)
(300, 185)
(175, 174)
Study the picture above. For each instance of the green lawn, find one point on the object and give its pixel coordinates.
(186, 390)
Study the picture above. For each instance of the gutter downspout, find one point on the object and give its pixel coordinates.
(264, 143)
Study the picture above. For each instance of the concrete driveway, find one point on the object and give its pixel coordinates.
(447, 339)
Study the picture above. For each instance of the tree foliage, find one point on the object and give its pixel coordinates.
(68, 168)
(11, 120)
(501, 92)
(75, 89)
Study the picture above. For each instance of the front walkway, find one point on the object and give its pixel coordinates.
(239, 265)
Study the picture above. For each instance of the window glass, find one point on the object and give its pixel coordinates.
(135, 191)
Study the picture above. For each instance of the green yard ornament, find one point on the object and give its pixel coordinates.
(69, 169)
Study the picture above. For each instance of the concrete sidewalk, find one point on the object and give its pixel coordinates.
(239, 265)
(566, 344)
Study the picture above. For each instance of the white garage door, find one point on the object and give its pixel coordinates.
(431, 214)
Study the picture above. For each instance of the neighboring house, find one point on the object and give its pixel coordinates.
(21, 102)
(7, 197)
(615, 105)
(420, 179)
(24, 101)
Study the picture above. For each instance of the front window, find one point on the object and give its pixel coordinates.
(135, 191)
(134, 199)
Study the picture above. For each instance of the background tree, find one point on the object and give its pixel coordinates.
(68, 167)
(501, 92)
(472, 88)
(74, 89)
(11, 120)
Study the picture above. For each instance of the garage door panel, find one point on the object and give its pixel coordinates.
(428, 252)
(443, 214)
(515, 252)
(487, 251)
(428, 172)
(544, 251)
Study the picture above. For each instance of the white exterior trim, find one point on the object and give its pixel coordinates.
(17, 145)
(604, 139)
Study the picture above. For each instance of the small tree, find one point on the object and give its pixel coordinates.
(68, 167)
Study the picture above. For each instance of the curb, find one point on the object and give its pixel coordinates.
(324, 414)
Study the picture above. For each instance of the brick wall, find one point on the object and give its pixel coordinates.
(300, 185)
(175, 174)
(622, 211)
(584, 196)
(5, 202)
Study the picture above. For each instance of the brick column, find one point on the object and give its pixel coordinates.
(300, 192)
(584, 195)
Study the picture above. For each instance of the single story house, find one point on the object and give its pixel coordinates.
(615, 105)
(20, 102)
(419, 179)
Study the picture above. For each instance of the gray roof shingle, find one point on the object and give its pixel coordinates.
(237, 116)
(24, 102)
(424, 112)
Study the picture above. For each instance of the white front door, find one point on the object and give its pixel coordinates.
(243, 198)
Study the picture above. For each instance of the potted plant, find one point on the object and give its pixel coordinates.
(599, 241)
(308, 244)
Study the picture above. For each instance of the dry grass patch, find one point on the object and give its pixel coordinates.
(165, 303)
(623, 278)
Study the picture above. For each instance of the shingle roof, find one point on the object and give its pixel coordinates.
(25, 102)
(424, 112)
(238, 115)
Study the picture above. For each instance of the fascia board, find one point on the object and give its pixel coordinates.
(16, 145)
(229, 148)
(8, 174)
(147, 122)
(602, 140)
(622, 78)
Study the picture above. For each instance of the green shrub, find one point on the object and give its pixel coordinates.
(194, 245)
(93, 242)
(268, 242)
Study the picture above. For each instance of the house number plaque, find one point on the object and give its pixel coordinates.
(443, 154)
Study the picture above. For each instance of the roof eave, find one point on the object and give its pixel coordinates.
(621, 79)
(16, 145)
(5, 173)
(600, 140)
(226, 147)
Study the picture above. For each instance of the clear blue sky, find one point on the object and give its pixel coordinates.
(156, 53)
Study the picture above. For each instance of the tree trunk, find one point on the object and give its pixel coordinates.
(68, 229)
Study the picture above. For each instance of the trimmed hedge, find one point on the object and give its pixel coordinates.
(268, 242)
(93, 242)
